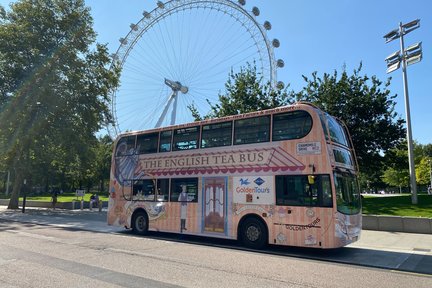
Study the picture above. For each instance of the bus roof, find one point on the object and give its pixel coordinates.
(295, 106)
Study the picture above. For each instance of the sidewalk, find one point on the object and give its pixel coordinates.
(388, 250)
(90, 220)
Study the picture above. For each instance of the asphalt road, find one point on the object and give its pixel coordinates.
(76, 249)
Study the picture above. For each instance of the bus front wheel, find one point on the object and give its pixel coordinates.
(253, 233)
(140, 223)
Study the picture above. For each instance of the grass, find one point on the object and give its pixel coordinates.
(65, 197)
(394, 205)
(398, 205)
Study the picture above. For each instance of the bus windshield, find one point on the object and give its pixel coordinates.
(337, 133)
(347, 193)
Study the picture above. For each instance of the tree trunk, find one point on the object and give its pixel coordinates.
(13, 202)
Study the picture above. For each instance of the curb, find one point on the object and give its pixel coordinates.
(397, 224)
(74, 205)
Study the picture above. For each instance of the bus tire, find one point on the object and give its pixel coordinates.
(253, 233)
(140, 223)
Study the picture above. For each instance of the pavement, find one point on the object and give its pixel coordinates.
(395, 251)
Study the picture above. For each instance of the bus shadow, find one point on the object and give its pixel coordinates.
(414, 262)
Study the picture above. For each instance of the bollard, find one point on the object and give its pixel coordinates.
(73, 204)
(100, 205)
(82, 204)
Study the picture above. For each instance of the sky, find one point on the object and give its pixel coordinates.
(315, 35)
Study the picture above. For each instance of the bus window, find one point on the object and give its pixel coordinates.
(291, 125)
(143, 190)
(165, 141)
(125, 146)
(162, 189)
(295, 190)
(186, 138)
(216, 135)
(147, 143)
(252, 130)
(337, 133)
(342, 156)
(347, 193)
(191, 189)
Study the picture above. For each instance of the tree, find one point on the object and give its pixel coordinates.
(396, 172)
(423, 171)
(102, 164)
(244, 92)
(366, 107)
(397, 165)
(54, 86)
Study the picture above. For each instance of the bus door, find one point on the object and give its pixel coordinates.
(214, 204)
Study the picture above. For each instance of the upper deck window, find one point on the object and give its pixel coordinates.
(337, 132)
(165, 141)
(252, 130)
(216, 135)
(186, 138)
(125, 146)
(147, 143)
(291, 125)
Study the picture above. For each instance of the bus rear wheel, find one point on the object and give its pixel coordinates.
(140, 223)
(253, 233)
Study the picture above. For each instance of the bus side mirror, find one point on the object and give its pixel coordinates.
(311, 179)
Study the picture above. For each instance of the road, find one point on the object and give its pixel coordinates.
(40, 255)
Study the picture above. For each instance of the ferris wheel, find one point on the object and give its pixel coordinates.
(181, 54)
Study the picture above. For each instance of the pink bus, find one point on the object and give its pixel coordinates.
(284, 176)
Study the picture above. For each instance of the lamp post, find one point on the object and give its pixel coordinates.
(430, 176)
(408, 56)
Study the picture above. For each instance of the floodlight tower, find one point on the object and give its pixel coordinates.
(411, 55)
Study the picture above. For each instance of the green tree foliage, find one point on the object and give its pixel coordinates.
(244, 92)
(54, 86)
(396, 172)
(423, 170)
(102, 165)
(367, 108)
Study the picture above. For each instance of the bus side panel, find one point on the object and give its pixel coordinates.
(303, 227)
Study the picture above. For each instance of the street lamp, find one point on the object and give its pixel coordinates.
(411, 55)
(430, 176)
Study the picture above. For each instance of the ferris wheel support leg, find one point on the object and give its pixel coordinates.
(165, 110)
(174, 110)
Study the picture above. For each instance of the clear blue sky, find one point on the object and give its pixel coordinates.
(320, 36)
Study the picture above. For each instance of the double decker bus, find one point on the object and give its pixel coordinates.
(284, 176)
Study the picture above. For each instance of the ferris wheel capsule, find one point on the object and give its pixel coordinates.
(160, 4)
(280, 85)
(255, 11)
(267, 25)
(280, 63)
(134, 27)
